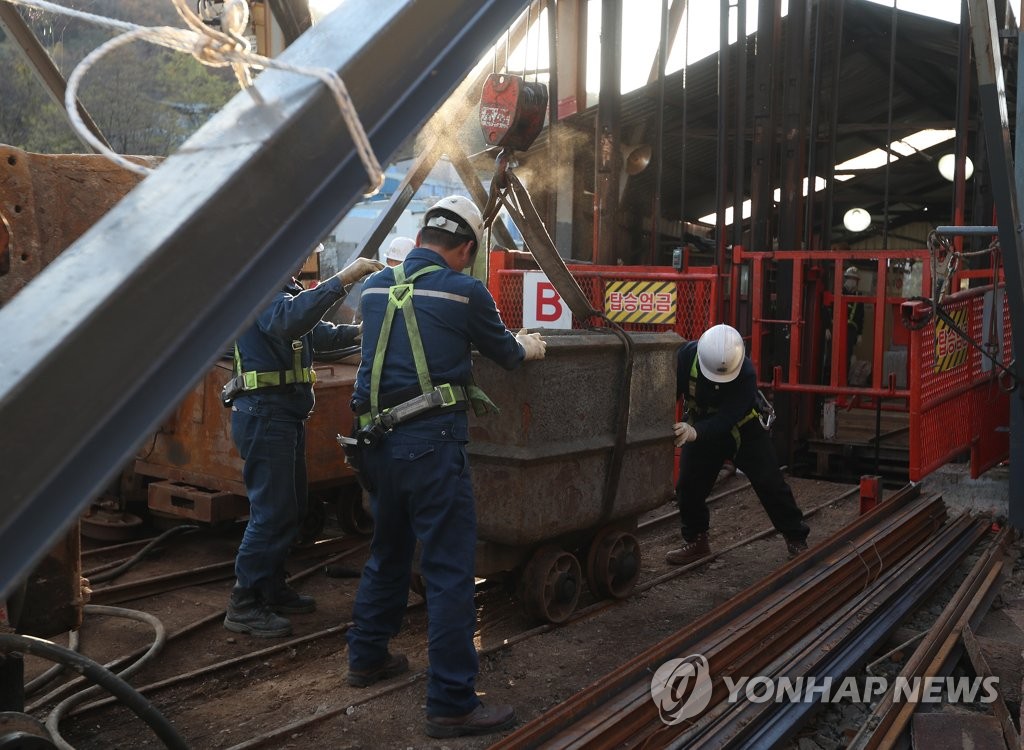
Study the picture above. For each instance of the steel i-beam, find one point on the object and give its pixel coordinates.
(103, 343)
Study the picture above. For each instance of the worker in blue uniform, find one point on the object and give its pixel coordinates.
(725, 418)
(271, 396)
(414, 385)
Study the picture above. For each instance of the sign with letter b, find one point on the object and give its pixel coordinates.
(543, 306)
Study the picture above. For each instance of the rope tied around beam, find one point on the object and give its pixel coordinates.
(213, 48)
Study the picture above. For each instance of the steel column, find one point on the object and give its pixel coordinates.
(607, 139)
(1006, 182)
(762, 210)
(102, 344)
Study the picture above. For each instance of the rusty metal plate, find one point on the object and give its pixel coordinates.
(195, 447)
(539, 466)
(47, 202)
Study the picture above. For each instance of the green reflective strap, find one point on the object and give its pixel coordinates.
(297, 372)
(378, 356)
(735, 431)
(418, 355)
(238, 360)
(400, 297)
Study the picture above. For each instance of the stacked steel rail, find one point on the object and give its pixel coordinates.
(819, 614)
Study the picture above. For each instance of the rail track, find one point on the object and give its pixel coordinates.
(505, 625)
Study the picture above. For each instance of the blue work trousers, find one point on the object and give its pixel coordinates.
(274, 451)
(422, 491)
(700, 462)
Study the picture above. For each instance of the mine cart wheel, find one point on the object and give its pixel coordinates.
(550, 584)
(613, 564)
(352, 517)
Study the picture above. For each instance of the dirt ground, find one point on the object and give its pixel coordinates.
(231, 706)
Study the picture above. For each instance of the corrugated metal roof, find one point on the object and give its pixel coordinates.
(922, 95)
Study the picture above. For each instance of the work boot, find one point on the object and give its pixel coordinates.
(691, 551)
(393, 666)
(481, 720)
(248, 614)
(285, 600)
(795, 546)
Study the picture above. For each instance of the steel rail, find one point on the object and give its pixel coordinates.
(69, 686)
(981, 668)
(889, 718)
(129, 590)
(585, 613)
(829, 649)
(563, 715)
(777, 622)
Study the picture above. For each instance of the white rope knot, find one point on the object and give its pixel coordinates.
(214, 48)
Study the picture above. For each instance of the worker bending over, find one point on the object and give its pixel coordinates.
(718, 384)
(414, 385)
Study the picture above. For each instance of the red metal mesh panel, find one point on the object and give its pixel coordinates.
(960, 406)
(510, 299)
(694, 299)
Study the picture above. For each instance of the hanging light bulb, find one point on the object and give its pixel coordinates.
(856, 220)
(947, 167)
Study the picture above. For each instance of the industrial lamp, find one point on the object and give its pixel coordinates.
(856, 220)
(947, 167)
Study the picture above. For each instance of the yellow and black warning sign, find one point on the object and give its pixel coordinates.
(641, 301)
(950, 348)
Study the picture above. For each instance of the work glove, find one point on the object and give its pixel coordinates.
(533, 345)
(357, 269)
(685, 433)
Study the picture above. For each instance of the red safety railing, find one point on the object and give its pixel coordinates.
(806, 326)
(958, 401)
(632, 296)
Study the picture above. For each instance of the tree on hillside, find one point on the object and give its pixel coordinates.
(146, 100)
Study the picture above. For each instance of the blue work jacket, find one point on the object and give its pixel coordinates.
(266, 346)
(454, 313)
(720, 406)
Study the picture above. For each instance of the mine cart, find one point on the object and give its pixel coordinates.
(581, 447)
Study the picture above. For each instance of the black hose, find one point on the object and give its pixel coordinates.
(38, 683)
(127, 564)
(103, 677)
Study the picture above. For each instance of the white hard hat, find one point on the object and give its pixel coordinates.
(720, 353)
(399, 248)
(852, 273)
(461, 207)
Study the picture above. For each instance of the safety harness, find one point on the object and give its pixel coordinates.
(252, 380)
(851, 316)
(692, 408)
(432, 397)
